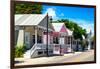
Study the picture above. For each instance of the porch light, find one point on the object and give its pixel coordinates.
(50, 19)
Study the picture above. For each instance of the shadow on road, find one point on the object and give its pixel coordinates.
(18, 62)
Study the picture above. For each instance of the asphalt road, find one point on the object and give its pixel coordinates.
(78, 57)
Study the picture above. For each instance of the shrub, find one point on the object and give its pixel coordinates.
(19, 51)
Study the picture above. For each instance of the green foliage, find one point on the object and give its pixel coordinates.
(19, 51)
(77, 30)
(92, 38)
(28, 8)
(84, 44)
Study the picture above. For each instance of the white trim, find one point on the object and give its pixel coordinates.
(44, 28)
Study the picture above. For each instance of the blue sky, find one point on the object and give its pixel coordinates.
(83, 16)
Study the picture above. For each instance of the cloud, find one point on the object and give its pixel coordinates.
(52, 12)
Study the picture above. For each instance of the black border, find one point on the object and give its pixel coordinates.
(12, 5)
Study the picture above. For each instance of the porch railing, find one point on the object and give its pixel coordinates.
(40, 46)
(44, 46)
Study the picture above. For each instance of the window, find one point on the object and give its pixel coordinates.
(39, 39)
(26, 38)
(55, 40)
(33, 39)
(69, 40)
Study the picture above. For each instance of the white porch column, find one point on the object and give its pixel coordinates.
(89, 45)
(20, 40)
(67, 40)
(35, 35)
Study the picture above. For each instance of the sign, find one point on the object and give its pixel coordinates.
(56, 49)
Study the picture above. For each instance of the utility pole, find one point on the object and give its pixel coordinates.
(47, 36)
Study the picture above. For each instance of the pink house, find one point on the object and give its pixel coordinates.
(63, 37)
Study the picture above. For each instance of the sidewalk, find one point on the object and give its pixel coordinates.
(52, 59)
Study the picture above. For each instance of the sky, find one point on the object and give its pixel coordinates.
(84, 17)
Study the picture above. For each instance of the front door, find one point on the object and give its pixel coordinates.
(27, 40)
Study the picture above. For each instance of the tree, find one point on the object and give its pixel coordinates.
(92, 42)
(28, 8)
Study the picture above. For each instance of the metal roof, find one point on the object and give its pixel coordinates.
(28, 19)
(57, 27)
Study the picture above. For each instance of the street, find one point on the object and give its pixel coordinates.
(67, 58)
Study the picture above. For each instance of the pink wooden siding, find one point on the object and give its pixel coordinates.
(50, 38)
(63, 29)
